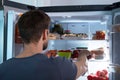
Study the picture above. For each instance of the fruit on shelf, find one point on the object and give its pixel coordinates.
(51, 53)
(105, 71)
(75, 54)
(99, 35)
(89, 77)
(67, 31)
(100, 75)
(89, 57)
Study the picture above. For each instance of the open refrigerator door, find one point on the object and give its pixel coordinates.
(12, 19)
(115, 45)
(12, 11)
(14, 42)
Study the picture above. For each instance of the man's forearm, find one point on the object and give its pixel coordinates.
(81, 66)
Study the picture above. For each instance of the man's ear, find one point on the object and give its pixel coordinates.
(45, 34)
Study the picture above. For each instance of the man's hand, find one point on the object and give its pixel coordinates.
(83, 53)
(51, 53)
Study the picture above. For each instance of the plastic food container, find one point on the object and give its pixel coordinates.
(64, 53)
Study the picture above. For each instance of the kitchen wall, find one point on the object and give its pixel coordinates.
(29, 2)
(43, 3)
(81, 2)
(34, 2)
(65, 2)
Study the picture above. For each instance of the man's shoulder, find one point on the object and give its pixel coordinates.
(5, 66)
(6, 62)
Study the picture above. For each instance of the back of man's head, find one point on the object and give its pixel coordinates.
(32, 24)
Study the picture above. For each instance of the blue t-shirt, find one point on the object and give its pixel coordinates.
(38, 67)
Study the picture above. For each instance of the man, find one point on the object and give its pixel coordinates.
(30, 64)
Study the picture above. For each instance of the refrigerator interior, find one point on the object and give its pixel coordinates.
(88, 23)
(1, 35)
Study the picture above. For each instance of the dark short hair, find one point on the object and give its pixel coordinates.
(32, 24)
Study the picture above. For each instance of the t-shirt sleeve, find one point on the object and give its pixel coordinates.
(67, 68)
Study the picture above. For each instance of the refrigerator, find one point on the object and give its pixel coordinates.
(78, 19)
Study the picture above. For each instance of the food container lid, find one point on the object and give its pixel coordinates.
(81, 47)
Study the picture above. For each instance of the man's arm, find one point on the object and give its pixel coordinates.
(81, 64)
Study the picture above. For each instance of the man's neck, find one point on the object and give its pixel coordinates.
(30, 50)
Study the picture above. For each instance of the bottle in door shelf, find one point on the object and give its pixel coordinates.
(18, 39)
